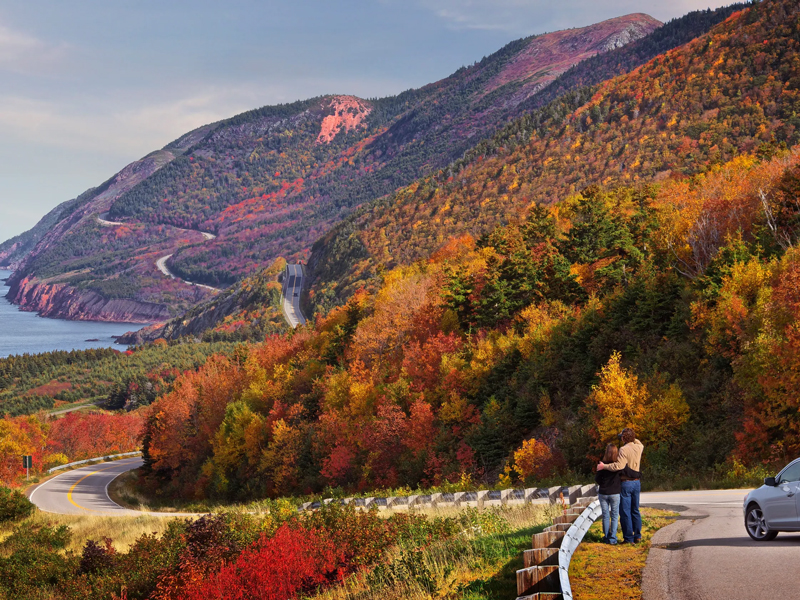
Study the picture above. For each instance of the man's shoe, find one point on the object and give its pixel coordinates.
(637, 540)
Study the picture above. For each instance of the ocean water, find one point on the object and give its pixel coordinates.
(22, 332)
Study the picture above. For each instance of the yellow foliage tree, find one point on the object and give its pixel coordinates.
(619, 400)
(533, 458)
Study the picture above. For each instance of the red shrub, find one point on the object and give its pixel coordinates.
(293, 561)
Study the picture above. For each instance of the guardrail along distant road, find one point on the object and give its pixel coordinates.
(707, 554)
(292, 286)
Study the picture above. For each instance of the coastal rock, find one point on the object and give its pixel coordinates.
(58, 300)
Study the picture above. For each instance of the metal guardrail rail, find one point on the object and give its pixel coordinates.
(569, 544)
(545, 575)
(91, 460)
(479, 499)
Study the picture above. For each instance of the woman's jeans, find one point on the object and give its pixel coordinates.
(610, 505)
(630, 519)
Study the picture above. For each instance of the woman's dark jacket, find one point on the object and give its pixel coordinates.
(610, 483)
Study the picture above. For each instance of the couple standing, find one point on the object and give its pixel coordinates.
(618, 479)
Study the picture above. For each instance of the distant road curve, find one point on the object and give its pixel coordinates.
(84, 491)
(101, 218)
(161, 263)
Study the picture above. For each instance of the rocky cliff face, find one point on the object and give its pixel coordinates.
(61, 301)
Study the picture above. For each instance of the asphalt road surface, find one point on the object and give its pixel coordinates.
(293, 285)
(707, 554)
(84, 491)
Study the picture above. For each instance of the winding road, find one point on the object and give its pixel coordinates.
(707, 554)
(161, 263)
(84, 491)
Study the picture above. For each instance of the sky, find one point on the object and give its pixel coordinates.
(88, 86)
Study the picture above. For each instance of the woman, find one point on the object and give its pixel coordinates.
(609, 488)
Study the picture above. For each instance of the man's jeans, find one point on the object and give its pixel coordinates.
(610, 505)
(629, 516)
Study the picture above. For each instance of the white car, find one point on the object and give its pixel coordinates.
(775, 506)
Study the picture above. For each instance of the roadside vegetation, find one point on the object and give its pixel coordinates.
(599, 571)
(134, 377)
(334, 553)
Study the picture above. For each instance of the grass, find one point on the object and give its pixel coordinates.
(124, 531)
(602, 572)
(479, 564)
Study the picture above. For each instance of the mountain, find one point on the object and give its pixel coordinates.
(269, 182)
(733, 90)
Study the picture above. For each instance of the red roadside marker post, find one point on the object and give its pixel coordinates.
(27, 463)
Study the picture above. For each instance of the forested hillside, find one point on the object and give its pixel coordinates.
(269, 182)
(249, 310)
(671, 307)
(729, 92)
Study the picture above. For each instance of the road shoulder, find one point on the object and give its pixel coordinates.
(666, 561)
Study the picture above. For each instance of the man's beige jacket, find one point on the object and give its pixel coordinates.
(630, 455)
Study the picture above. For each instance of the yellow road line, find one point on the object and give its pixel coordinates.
(74, 485)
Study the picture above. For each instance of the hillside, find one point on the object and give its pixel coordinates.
(672, 308)
(728, 92)
(269, 182)
(249, 310)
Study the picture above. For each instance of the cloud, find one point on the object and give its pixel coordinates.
(526, 17)
(129, 123)
(24, 53)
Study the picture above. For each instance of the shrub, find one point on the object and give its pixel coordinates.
(295, 560)
(13, 505)
(97, 557)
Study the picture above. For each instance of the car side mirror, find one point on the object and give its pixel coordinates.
(770, 481)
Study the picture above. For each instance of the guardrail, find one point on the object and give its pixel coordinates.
(546, 572)
(479, 499)
(91, 460)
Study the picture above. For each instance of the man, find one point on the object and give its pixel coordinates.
(630, 455)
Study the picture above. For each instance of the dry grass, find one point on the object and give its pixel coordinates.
(124, 490)
(479, 564)
(602, 572)
(124, 531)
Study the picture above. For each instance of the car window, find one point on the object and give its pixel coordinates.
(792, 473)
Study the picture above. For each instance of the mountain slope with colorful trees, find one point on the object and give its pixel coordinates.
(652, 305)
(727, 93)
(269, 182)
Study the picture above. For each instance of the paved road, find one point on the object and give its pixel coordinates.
(106, 223)
(161, 265)
(64, 411)
(84, 491)
(292, 286)
(707, 554)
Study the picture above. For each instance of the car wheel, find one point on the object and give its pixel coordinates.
(756, 525)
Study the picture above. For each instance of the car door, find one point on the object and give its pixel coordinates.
(781, 503)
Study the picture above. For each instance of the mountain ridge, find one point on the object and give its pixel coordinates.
(268, 182)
